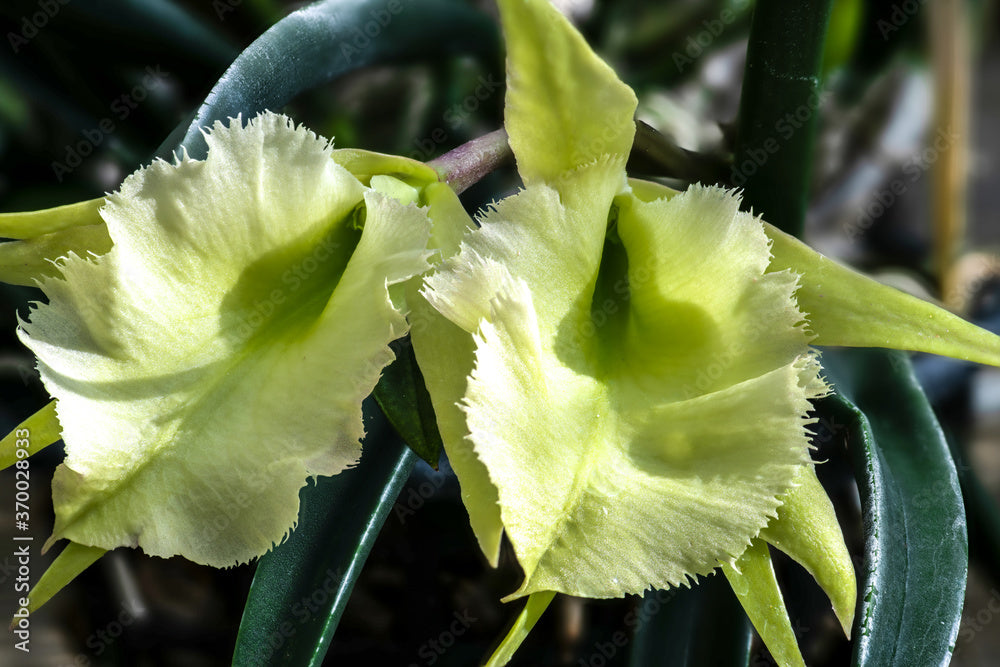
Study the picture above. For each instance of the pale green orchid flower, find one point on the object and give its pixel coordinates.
(622, 374)
(211, 331)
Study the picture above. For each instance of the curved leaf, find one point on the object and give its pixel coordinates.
(339, 519)
(325, 40)
(690, 627)
(916, 551)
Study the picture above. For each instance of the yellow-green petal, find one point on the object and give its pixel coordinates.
(445, 352)
(753, 581)
(218, 354)
(807, 530)
(564, 107)
(632, 453)
(32, 435)
(849, 309)
(365, 164)
(31, 260)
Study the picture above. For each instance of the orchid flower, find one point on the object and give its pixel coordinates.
(622, 374)
(211, 330)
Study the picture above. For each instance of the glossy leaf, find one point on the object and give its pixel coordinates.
(403, 398)
(691, 627)
(916, 550)
(339, 519)
(322, 41)
(781, 81)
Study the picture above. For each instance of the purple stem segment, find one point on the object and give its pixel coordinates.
(464, 166)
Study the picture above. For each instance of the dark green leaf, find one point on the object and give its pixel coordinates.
(916, 550)
(403, 397)
(300, 588)
(690, 627)
(778, 106)
(327, 39)
(161, 22)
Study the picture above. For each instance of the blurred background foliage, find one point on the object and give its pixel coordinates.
(92, 89)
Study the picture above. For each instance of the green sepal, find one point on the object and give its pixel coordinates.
(754, 583)
(532, 611)
(31, 261)
(42, 430)
(31, 224)
(45, 237)
(848, 309)
(565, 107)
(807, 530)
(365, 164)
(71, 561)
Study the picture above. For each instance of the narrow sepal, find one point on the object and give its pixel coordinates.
(31, 224)
(846, 308)
(532, 611)
(807, 530)
(30, 261)
(753, 581)
(71, 561)
(565, 107)
(32, 435)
